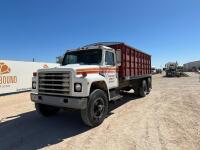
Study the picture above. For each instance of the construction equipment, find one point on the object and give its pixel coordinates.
(171, 69)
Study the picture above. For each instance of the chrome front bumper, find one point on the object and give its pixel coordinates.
(60, 101)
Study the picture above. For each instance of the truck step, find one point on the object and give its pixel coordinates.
(116, 97)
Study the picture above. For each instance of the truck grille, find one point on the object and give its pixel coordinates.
(54, 83)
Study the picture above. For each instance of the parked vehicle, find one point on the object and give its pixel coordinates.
(16, 76)
(89, 78)
(153, 70)
(159, 71)
(171, 69)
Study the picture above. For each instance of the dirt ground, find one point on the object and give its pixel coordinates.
(167, 119)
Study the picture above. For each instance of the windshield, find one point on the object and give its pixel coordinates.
(89, 57)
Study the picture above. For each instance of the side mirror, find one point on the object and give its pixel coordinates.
(59, 59)
(118, 57)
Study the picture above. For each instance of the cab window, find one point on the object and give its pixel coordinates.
(109, 58)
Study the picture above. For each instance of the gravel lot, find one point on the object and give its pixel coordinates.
(167, 119)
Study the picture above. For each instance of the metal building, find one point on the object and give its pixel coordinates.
(192, 66)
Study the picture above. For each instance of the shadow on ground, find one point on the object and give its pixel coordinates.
(32, 131)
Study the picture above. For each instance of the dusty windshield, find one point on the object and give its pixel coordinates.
(83, 57)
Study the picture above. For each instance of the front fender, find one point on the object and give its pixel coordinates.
(95, 78)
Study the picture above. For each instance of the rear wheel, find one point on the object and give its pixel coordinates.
(96, 110)
(149, 83)
(143, 89)
(46, 110)
(137, 91)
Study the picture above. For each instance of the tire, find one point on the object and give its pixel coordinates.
(137, 92)
(143, 89)
(46, 110)
(149, 83)
(97, 108)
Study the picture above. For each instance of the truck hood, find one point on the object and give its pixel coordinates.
(78, 66)
(74, 67)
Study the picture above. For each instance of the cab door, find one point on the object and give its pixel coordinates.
(110, 70)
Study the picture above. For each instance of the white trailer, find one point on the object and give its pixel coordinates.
(16, 76)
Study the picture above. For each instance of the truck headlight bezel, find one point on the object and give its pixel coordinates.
(77, 87)
(34, 85)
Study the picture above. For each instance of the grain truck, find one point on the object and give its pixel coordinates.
(89, 78)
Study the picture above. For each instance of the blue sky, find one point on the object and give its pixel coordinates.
(169, 30)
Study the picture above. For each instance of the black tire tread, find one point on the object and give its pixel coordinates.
(143, 93)
(85, 113)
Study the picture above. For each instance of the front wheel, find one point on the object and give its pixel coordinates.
(96, 110)
(46, 110)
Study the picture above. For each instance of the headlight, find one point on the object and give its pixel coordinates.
(34, 85)
(77, 87)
